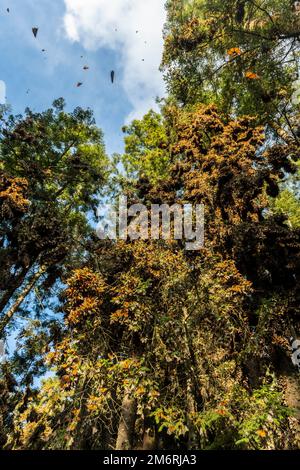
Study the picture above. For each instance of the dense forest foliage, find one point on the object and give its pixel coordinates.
(142, 344)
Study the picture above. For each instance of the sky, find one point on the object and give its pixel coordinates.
(104, 35)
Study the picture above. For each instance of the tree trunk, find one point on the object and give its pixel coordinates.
(289, 379)
(149, 438)
(13, 286)
(79, 438)
(127, 422)
(191, 409)
(8, 316)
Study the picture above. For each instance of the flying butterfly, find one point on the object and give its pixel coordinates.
(35, 31)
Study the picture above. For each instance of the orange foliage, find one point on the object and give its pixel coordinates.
(13, 195)
(84, 295)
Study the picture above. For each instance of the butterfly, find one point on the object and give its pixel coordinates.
(35, 31)
(252, 75)
(234, 51)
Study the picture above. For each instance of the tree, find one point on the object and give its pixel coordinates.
(146, 148)
(167, 349)
(243, 56)
(53, 167)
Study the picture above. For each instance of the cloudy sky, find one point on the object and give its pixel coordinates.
(105, 35)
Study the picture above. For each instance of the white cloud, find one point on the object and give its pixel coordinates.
(113, 24)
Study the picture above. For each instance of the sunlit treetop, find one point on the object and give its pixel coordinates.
(241, 54)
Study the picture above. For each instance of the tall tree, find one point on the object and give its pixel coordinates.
(53, 167)
(241, 55)
(164, 348)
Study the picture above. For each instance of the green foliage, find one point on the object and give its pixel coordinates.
(288, 204)
(287, 201)
(241, 55)
(263, 415)
(146, 148)
(60, 154)
(53, 168)
(244, 420)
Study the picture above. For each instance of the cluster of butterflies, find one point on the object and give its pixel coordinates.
(236, 51)
(35, 31)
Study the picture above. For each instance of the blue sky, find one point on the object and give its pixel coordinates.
(120, 35)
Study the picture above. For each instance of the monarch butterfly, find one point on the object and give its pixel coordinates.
(234, 51)
(252, 75)
(261, 433)
(35, 31)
